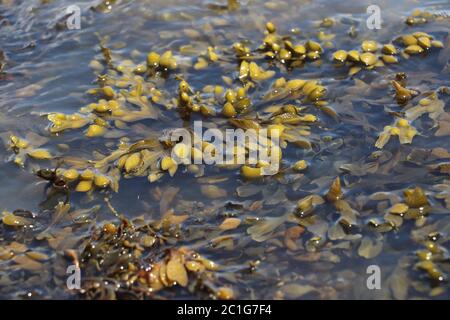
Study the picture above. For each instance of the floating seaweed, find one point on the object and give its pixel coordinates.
(345, 191)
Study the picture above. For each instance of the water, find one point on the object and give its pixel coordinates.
(49, 69)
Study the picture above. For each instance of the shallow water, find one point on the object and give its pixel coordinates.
(48, 68)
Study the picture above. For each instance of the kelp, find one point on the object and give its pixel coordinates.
(220, 231)
(402, 128)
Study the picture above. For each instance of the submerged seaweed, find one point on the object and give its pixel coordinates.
(92, 162)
